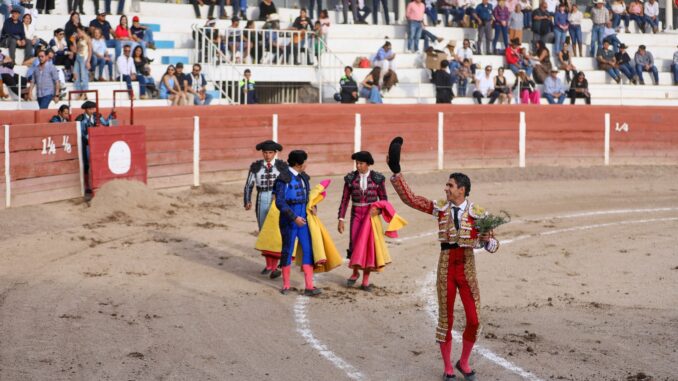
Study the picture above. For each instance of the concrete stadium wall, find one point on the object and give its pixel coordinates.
(471, 136)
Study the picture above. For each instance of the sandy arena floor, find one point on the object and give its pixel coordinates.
(144, 285)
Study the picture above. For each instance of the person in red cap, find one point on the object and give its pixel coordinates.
(142, 34)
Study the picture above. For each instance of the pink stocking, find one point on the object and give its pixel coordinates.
(366, 278)
(446, 352)
(308, 276)
(355, 274)
(286, 276)
(466, 348)
(270, 263)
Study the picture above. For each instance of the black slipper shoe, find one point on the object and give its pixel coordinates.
(312, 292)
(449, 377)
(285, 291)
(470, 376)
(350, 282)
(265, 271)
(367, 288)
(275, 273)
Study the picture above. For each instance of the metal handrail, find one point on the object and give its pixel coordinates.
(208, 54)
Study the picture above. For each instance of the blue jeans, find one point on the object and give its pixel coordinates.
(43, 102)
(311, 7)
(516, 68)
(432, 14)
(640, 22)
(456, 13)
(552, 100)
(653, 70)
(596, 38)
(527, 19)
(575, 34)
(614, 73)
(559, 35)
(628, 70)
(241, 6)
(101, 63)
(375, 9)
(674, 69)
(414, 35)
(118, 44)
(654, 23)
(80, 69)
(504, 35)
(427, 36)
(208, 100)
(461, 88)
(614, 41)
(617, 19)
(142, 83)
(121, 6)
(372, 95)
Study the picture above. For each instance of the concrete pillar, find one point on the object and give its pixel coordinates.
(668, 22)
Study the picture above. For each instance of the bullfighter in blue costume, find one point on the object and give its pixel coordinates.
(291, 198)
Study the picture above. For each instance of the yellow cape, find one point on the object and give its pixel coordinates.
(269, 238)
(325, 254)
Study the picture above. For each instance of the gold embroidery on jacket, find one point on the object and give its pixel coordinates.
(472, 280)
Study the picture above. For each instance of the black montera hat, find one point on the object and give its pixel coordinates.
(296, 157)
(269, 145)
(363, 156)
(394, 154)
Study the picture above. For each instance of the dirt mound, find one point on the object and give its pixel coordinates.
(131, 198)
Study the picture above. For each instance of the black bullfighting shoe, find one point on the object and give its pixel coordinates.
(470, 376)
(313, 292)
(275, 273)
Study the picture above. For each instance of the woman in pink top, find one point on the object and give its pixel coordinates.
(415, 22)
(635, 11)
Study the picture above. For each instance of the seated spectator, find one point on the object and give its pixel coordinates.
(565, 62)
(610, 35)
(575, 18)
(466, 52)
(128, 72)
(58, 44)
(579, 88)
(248, 92)
(466, 12)
(512, 56)
(11, 79)
(619, 14)
(123, 35)
(526, 88)
(385, 58)
(554, 88)
(197, 86)
(431, 11)
(501, 89)
(447, 8)
(142, 34)
(29, 31)
(429, 37)
(100, 56)
(182, 80)
(169, 88)
(635, 11)
(143, 71)
(349, 87)
(100, 23)
(542, 25)
(484, 85)
(62, 116)
(651, 12)
(607, 61)
(625, 65)
(645, 62)
(362, 12)
(370, 86)
(266, 7)
(324, 23)
(443, 83)
(302, 22)
(451, 54)
(516, 25)
(674, 67)
(13, 36)
(464, 74)
(238, 44)
(543, 67)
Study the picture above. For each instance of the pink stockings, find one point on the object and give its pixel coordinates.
(308, 276)
(530, 97)
(446, 353)
(271, 263)
(366, 276)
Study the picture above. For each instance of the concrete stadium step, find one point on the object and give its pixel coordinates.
(164, 44)
(173, 60)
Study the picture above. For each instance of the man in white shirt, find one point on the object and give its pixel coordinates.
(551, 5)
(128, 72)
(465, 52)
(652, 15)
(484, 85)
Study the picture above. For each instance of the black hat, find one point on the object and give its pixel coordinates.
(394, 154)
(363, 156)
(623, 46)
(296, 157)
(269, 145)
(88, 104)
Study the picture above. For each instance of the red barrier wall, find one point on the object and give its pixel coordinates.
(473, 136)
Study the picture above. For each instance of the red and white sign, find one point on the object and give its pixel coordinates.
(117, 152)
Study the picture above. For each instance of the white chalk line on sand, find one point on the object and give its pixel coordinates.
(432, 305)
(564, 216)
(304, 326)
(304, 329)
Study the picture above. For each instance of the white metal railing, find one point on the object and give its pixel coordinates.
(206, 52)
(270, 47)
(330, 71)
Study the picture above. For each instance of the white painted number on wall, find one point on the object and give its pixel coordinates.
(49, 146)
(623, 127)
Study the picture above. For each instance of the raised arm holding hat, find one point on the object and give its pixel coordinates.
(263, 174)
(458, 236)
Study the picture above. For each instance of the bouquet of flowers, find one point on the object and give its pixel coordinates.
(490, 221)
